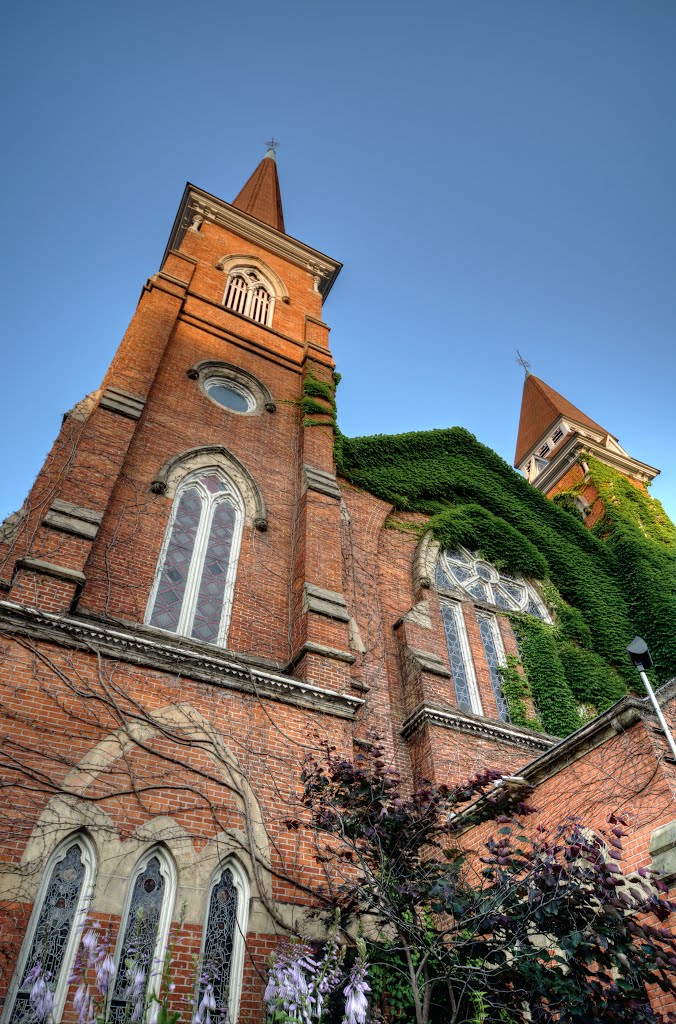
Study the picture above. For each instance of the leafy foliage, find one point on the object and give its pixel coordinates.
(606, 585)
(500, 923)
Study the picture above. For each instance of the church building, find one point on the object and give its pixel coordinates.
(208, 581)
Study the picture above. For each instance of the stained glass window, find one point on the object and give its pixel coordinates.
(196, 576)
(492, 643)
(139, 944)
(214, 575)
(177, 561)
(219, 938)
(468, 574)
(53, 929)
(460, 658)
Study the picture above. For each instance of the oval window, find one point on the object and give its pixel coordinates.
(230, 395)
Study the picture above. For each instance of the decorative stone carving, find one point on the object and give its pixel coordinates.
(424, 562)
(214, 457)
(141, 645)
(447, 718)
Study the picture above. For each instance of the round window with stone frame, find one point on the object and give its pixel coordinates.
(468, 574)
(229, 394)
(232, 387)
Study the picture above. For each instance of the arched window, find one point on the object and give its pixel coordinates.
(193, 588)
(53, 931)
(223, 939)
(470, 575)
(143, 934)
(246, 292)
(462, 575)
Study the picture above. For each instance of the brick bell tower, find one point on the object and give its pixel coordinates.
(225, 367)
(551, 444)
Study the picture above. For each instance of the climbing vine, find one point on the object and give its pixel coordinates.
(316, 396)
(603, 585)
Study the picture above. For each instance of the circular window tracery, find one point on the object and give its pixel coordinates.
(460, 570)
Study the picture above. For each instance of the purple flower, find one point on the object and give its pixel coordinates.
(33, 974)
(105, 972)
(41, 999)
(90, 940)
(138, 984)
(356, 1003)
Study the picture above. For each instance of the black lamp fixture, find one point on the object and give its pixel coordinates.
(639, 655)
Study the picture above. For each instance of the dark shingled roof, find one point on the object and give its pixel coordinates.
(261, 197)
(541, 407)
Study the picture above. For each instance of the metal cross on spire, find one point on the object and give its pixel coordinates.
(272, 144)
(523, 362)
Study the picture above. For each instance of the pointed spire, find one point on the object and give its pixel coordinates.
(541, 406)
(261, 197)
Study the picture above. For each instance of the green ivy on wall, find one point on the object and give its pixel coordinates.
(316, 395)
(604, 585)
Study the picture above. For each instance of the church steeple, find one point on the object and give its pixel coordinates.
(261, 197)
(541, 408)
(554, 435)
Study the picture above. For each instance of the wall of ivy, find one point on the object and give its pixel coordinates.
(604, 586)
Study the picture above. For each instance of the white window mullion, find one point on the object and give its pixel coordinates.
(229, 591)
(196, 566)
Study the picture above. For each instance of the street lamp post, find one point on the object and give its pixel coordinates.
(639, 655)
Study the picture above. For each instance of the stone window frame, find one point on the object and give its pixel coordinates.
(188, 604)
(242, 264)
(466, 654)
(81, 839)
(425, 562)
(209, 370)
(168, 872)
(243, 887)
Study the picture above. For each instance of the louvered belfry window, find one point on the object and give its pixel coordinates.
(248, 294)
(192, 595)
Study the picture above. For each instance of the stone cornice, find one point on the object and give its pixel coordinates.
(568, 453)
(322, 267)
(136, 645)
(447, 718)
(625, 713)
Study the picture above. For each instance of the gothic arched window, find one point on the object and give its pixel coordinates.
(195, 580)
(143, 935)
(463, 575)
(223, 939)
(246, 292)
(53, 930)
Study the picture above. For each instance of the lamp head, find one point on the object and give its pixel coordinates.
(639, 655)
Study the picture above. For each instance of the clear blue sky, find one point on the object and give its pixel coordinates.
(493, 174)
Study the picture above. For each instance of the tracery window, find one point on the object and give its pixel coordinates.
(247, 293)
(462, 667)
(463, 575)
(52, 934)
(223, 939)
(194, 584)
(495, 656)
(143, 932)
(470, 575)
